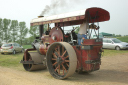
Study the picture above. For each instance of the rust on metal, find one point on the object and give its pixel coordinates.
(26, 52)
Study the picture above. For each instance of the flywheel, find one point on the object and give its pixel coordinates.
(56, 35)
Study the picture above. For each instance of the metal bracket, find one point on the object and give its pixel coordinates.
(92, 61)
(88, 47)
(26, 62)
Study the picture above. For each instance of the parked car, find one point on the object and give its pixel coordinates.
(113, 43)
(11, 48)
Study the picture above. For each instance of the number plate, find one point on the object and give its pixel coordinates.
(5, 51)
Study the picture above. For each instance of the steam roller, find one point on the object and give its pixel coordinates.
(59, 57)
(60, 50)
(61, 60)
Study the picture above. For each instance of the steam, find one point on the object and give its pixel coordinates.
(59, 6)
(55, 4)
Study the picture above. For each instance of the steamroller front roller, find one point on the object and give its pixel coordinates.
(34, 61)
(61, 60)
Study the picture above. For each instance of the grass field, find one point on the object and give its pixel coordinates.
(123, 39)
(27, 46)
(109, 53)
(12, 61)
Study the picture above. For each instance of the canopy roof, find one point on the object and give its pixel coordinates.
(105, 34)
(93, 14)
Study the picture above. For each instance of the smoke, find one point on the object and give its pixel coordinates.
(55, 4)
(61, 6)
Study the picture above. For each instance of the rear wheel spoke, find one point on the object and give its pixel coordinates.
(67, 64)
(63, 71)
(58, 51)
(54, 63)
(64, 53)
(62, 49)
(64, 68)
(59, 70)
(66, 60)
(66, 57)
(53, 59)
(56, 68)
(54, 55)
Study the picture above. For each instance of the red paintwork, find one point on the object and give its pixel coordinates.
(43, 49)
(91, 42)
(84, 55)
(47, 39)
(102, 14)
(57, 33)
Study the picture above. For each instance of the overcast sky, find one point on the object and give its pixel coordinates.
(26, 10)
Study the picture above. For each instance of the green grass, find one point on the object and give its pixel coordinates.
(27, 46)
(10, 60)
(110, 53)
(123, 39)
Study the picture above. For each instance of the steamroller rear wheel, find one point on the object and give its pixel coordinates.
(61, 60)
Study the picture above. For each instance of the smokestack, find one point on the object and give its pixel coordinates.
(41, 28)
(40, 16)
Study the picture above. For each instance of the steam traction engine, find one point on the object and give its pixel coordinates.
(60, 52)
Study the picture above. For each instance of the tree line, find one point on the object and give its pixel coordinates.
(14, 31)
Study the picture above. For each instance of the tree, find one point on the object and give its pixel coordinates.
(113, 35)
(6, 29)
(34, 31)
(77, 29)
(23, 31)
(14, 30)
(118, 35)
(1, 30)
(30, 40)
(27, 41)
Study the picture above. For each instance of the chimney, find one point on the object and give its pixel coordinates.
(41, 28)
(40, 16)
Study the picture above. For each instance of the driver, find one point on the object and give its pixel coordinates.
(82, 32)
